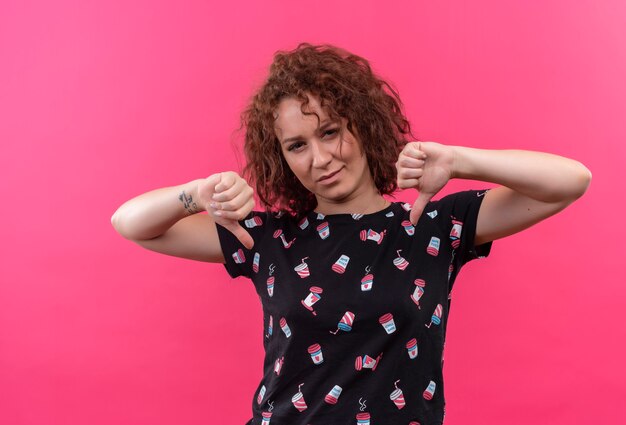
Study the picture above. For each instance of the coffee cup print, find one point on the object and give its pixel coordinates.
(367, 362)
(411, 347)
(298, 400)
(455, 233)
(388, 324)
(239, 257)
(372, 235)
(397, 397)
(341, 264)
(316, 354)
(320, 216)
(253, 222)
(406, 206)
(429, 392)
(433, 246)
(303, 269)
(323, 230)
(259, 397)
(265, 418)
(418, 292)
(363, 418)
(367, 282)
(333, 396)
(285, 327)
(278, 365)
(436, 317)
(432, 214)
(345, 324)
(279, 234)
(408, 227)
(357, 216)
(270, 286)
(255, 262)
(304, 223)
(313, 297)
(400, 262)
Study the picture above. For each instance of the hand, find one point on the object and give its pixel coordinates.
(228, 198)
(427, 167)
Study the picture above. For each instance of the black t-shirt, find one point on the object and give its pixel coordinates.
(355, 310)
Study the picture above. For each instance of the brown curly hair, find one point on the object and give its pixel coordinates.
(347, 87)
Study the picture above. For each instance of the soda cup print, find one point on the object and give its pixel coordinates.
(255, 262)
(313, 297)
(266, 417)
(302, 269)
(316, 353)
(367, 282)
(436, 317)
(400, 262)
(411, 347)
(397, 397)
(433, 246)
(304, 223)
(346, 323)
(419, 291)
(333, 395)
(387, 321)
(367, 362)
(363, 418)
(298, 400)
(429, 392)
(323, 230)
(278, 365)
(341, 264)
(285, 327)
(270, 286)
(253, 222)
(239, 257)
(259, 398)
(279, 234)
(408, 227)
(455, 233)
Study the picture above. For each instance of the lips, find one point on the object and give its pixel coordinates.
(327, 176)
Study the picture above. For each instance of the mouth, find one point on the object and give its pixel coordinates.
(328, 176)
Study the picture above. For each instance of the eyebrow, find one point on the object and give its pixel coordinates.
(324, 124)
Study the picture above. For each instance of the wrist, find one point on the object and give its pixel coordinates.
(189, 198)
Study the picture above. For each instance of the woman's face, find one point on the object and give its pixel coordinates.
(335, 170)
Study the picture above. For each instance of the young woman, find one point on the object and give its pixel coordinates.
(355, 289)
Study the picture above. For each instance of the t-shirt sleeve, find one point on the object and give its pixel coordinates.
(239, 260)
(459, 215)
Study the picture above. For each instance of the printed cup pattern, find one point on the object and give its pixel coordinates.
(388, 324)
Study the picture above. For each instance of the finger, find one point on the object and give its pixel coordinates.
(418, 207)
(241, 234)
(410, 173)
(408, 183)
(409, 162)
(232, 192)
(206, 188)
(236, 205)
(226, 181)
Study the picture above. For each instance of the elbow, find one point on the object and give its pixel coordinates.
(583, 180)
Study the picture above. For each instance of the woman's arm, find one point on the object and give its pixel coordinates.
(166, 220)
(535, 185)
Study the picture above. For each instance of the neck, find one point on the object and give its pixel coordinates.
(362, 204)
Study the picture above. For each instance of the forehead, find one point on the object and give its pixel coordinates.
(289, 118)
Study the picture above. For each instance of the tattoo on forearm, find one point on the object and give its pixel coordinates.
(188, 203)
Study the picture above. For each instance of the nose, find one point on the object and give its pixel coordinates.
(322, 156)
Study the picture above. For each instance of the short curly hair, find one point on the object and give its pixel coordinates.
(347, 88)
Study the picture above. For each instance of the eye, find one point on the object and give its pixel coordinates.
(295, 146)
(330, 131)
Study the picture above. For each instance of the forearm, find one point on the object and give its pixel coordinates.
(150, 214)
(541, 176)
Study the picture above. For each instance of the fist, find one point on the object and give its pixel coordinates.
(228, 198)
(427, 167)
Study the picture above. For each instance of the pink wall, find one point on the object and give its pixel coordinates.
(100, 101)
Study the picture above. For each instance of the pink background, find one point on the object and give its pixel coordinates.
(101, 101)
